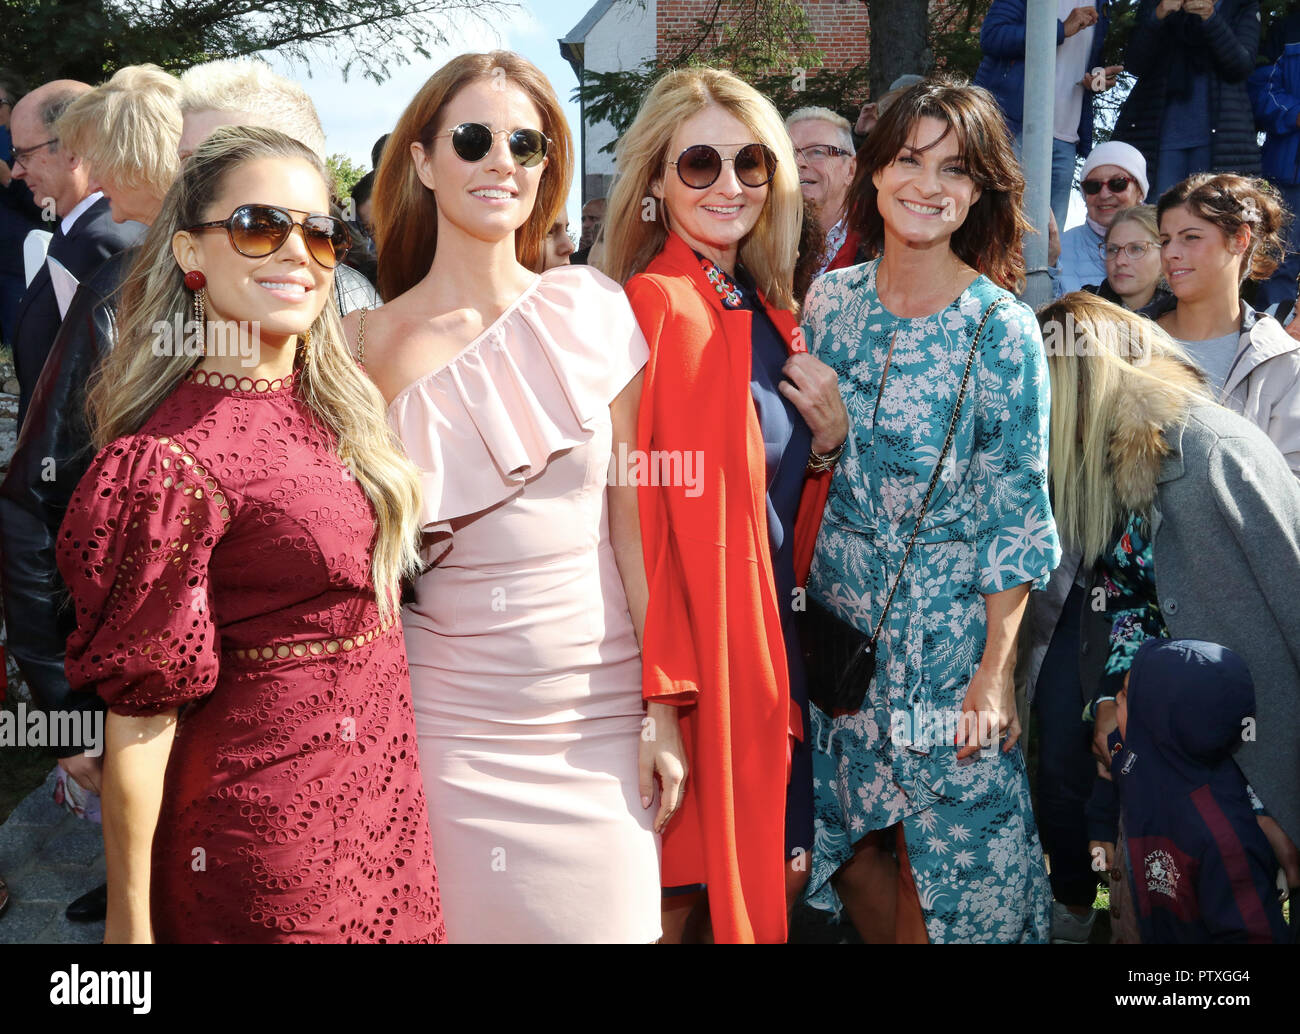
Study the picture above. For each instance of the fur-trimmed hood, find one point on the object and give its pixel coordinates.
(1138, 443)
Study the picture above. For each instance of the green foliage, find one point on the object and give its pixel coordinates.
(955, 36)
(91, 39)
(345, 174)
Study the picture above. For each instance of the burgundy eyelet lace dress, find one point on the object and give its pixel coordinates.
(219, 562)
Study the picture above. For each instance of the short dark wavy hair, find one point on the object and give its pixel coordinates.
(990, 238)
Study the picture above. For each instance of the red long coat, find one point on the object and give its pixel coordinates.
(712, 621)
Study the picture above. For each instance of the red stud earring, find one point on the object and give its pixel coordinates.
(195, 280)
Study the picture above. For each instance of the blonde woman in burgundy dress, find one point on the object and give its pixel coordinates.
(509, 390)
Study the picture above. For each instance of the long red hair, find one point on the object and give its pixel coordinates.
(405, 210)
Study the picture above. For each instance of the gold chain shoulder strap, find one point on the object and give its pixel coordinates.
(361, 338)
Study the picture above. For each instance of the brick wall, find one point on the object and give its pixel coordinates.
(841, 30)
(841, 26)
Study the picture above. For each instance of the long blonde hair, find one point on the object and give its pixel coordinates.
(132, 382)
(1117, 380)
(631, 240)
(405, 210)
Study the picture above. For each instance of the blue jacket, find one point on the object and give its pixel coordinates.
(1275, 99)
(1202, 869)
(1002, 70)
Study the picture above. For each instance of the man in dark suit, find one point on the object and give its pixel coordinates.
(85, 234)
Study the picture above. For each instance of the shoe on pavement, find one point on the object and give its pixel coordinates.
(92, 906)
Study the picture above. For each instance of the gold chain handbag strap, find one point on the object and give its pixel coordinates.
(934, 478)
(361, 338)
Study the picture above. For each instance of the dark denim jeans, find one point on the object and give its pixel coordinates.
(1066, 768)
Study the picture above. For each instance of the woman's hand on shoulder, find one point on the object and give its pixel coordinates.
(662, 754)
(814, 390)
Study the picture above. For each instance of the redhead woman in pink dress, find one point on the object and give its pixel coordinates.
(510, 391)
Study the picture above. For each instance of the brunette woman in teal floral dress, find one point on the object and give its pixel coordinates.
(890, 778)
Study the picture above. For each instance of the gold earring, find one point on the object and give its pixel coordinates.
(306, 348)
(198, 315)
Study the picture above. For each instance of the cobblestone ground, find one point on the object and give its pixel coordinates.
(49, 857)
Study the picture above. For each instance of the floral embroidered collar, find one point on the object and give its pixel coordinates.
(723, 284)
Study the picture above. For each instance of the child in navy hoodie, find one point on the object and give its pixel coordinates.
(1201, 868)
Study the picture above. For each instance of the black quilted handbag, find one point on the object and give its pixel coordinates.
(839, 661)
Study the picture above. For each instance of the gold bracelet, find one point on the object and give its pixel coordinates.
(819, 462)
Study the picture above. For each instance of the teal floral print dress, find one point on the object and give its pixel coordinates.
(1127, 572)
(970, 832)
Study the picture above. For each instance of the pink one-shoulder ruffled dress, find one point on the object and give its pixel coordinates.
(525, 671)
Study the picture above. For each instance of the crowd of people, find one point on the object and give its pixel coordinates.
(439, 580)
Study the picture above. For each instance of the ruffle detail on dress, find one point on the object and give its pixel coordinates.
(525, 389)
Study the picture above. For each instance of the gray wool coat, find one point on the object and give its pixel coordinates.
(1226, 548)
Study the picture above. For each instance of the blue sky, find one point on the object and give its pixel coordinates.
(357, 112)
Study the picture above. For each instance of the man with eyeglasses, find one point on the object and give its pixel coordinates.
(823, 145)
(19, 214)
(85, 234)
(1114, 178)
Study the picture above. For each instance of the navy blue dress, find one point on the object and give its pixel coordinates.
(787, 441)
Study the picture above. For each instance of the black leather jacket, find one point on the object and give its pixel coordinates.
(53, 452)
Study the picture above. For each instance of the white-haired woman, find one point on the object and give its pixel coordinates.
(233, 555)
(127, 131)
(702, 227)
